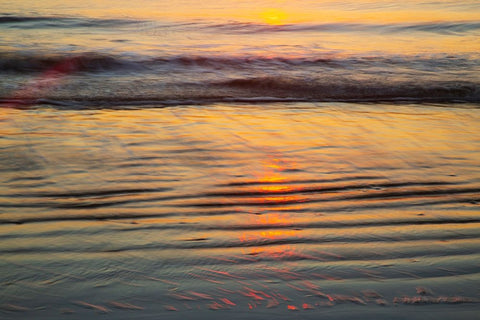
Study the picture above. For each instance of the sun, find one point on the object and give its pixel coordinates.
(273, 16)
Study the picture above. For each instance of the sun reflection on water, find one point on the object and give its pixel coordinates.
(272, 227)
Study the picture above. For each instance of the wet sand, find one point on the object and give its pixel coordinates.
(264, 211)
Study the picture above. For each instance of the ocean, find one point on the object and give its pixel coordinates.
(264, 160)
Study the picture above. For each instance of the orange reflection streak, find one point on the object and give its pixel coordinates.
(273, 219)
(275, 188)
(278, 234)
(273, 175)
(284, 199)
(272, 178)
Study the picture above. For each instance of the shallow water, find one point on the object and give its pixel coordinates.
(245, 209)
(177, 160)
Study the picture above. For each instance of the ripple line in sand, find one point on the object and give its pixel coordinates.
(286, 191)
(397, 195)
(256, 242)
(306, 181)
(89, 193)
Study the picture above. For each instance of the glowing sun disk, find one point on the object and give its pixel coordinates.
(273, 16)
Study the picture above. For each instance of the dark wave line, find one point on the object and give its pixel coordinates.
(339, 272)
(101, 217)
(401, 204)
(325, 258)
(92, 204)
(325, 189)
(346, 89)
(390, 205)
(87, 194)
(286, 241)
(22, 179)
(34, 22)
(99, 61)
(269, 202)
(451, 28)
(400, 195)
(333, 225)
(422, 300)
(199, 227)
(291, 256)
(451, 93)
(288, 182)
(445, 27)
(415, 193)
(99, 193)
(339, 269)
(318, 225)
(248, 244)
(137, 179)
(119, 103)
(61, 63)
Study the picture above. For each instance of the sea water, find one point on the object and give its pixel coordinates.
(265, 160)
(163, 53)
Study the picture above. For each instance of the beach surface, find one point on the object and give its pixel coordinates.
(330, 210)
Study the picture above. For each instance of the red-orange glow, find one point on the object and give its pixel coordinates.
(215, 306)
(200, 295)
(251, 294)
(170, 308)
(293, 308)
(307, 306)
(228, 302)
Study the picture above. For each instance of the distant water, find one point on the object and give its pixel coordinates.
(82, 54)
(307, 159)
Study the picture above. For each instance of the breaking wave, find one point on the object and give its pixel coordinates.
(203, 79)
